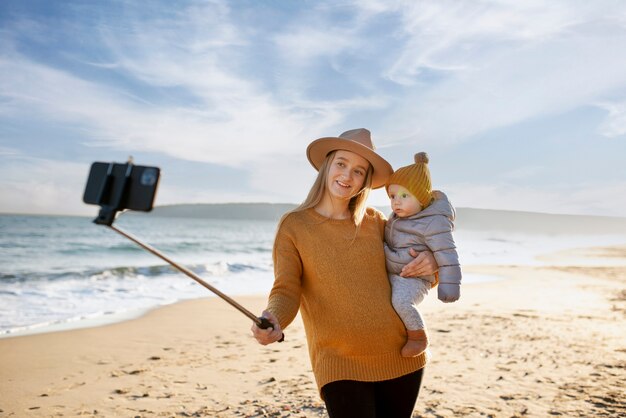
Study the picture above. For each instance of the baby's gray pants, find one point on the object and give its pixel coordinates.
(406, 294)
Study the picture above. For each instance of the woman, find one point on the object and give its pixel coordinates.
(329, 263)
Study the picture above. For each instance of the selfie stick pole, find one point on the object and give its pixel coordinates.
(261, 322)
(107, 215)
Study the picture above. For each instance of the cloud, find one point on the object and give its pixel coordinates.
(473, 67)
(197, 53)
(233, 120)
(615, 123)
(42, 186)
(194, 47)
(242, 128)
(453, 36)
(305, 43)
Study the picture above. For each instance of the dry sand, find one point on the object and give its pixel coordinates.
(544, 341)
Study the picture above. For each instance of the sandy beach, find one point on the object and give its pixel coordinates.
(543, 341)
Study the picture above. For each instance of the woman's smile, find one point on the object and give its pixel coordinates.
(344, 185)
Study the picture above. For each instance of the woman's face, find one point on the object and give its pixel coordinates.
(346, 175)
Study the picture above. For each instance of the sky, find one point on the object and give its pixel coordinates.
(521, 105)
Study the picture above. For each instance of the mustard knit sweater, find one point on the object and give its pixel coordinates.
(340, 284)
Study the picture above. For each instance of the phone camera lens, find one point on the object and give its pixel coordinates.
(148, 177)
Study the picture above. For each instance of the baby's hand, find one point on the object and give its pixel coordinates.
(449, 292)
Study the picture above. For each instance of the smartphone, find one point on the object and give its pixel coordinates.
(122, 186)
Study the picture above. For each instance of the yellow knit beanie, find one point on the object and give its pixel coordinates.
(415, 178)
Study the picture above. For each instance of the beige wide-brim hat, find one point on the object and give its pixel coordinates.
(358, 141)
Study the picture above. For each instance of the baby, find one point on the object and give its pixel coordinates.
(422, 220)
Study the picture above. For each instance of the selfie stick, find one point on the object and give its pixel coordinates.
(107, 216)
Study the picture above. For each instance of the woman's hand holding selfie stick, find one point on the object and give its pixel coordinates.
(268, 335)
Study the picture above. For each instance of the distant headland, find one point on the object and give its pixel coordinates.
(467, 218)
(258, 211)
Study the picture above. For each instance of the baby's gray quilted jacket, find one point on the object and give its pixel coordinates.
(430, 229)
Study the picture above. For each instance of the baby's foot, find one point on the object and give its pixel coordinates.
(416, 344)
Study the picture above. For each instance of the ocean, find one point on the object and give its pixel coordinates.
(60, 272)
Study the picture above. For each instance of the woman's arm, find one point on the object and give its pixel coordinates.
(284, 299)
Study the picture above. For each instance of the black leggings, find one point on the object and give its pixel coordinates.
(393, 398)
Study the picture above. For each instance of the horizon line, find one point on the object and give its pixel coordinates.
(2, 213)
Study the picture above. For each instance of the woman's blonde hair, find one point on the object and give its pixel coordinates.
(357, 204)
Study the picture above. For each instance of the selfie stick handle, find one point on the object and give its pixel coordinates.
(260, 322)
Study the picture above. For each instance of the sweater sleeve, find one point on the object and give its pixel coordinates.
(284, 299)
(439, 239)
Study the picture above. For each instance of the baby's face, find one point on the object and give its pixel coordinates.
(403, 203)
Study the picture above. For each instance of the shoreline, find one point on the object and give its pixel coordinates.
(102, 319)
(89, 321)
(544, 341)
(600, 256)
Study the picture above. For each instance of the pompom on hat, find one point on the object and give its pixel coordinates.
(358, 141)
(415, 178)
